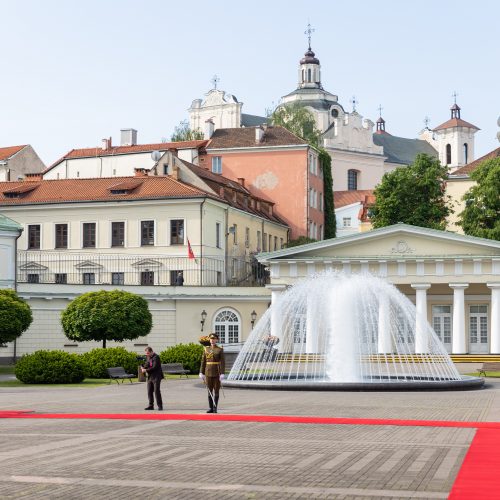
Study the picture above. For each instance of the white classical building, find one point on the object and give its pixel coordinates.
(454, 280)
(10, 231)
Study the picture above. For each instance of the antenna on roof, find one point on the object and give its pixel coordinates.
(155, 155)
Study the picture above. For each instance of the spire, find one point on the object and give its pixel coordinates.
(309, 66)
(380, 121)
(455, 109)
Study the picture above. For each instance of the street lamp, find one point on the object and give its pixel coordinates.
(203, 318)
(253, 317)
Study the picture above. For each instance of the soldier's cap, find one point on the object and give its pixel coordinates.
(213, 336)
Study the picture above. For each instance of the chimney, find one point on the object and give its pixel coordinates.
(175, 172)
(128, 137)
(140, 172)
(33, 177)
(241, 180)
(106, 144)
(259, 135)
(209, 128)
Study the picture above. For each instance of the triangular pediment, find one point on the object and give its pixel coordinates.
(149, 263)
(32, 266)
(392, 242)
(88, 264)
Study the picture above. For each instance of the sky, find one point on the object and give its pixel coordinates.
(74, 72)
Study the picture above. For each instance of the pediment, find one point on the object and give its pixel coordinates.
(88, 264)
(32, 266)
(147, 263)
(392, 242)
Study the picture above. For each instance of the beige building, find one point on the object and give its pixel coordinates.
(454, 280)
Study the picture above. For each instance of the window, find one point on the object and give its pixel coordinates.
(478, 324)
(448, 154)
(441, 322)
(217, 164)
(217, 234)
(173, 277)
(346, 222)
(247, 237)
(259, 241)
(88, 278)
(281, 242)
(235, 234)
(34, 237)
(270, 242)
(466, 153)
(352, 180)
(147, 232)
(147, 278)
(117, 278)
(61, 236)
(320, 196)
(227, 326)
(89, 235)
(61, 278)
(312, 164)
(264, 242)
(275, 243)
(118, 234)
(165, 169)
(33, 278)
(177, 232)
(309, 75)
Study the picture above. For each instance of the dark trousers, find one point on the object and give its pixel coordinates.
(153, 386)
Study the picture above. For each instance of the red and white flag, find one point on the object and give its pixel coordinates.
(190, 251)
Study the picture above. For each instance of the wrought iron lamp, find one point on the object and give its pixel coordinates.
(203, 318)
(253, 317)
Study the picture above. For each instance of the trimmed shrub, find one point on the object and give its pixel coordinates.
(97, 360)
(15, 315)
(50, 367)
(187, 354)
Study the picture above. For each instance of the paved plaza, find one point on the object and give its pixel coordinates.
(86, 458)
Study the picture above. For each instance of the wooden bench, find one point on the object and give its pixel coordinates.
(175, 369)
(489, 367)
(118, 373)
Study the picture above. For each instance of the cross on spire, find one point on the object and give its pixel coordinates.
(215, 80)
(308, 32)
(454, 95)
(427, 120)
(354, 102)
(380, 108)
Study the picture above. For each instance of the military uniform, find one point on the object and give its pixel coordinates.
(213, 366)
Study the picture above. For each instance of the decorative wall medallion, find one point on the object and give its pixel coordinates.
(402, 247)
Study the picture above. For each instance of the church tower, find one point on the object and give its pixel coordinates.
(454, 140)
(309, 71)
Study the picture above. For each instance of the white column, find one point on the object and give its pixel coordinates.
(276, 291)
(495, 318)
(421, 340)
(458, 344)
(384, 326)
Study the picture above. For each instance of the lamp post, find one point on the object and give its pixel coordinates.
(253, 317)
(203, 318)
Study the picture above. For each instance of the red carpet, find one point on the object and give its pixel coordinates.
(478, 478)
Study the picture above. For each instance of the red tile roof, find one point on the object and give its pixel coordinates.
(455, 122)
(344, 198)
(7, 152)
(470, 167)
(96, 189)
(121, 150)
(224, 138)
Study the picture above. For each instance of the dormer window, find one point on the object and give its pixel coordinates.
(119, 191)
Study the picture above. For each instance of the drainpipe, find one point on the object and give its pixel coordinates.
(201, 240)
(15, 285)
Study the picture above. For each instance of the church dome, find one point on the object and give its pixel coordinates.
(309, 58)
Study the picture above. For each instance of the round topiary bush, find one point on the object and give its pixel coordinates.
(50, 367)
(187, 354)
(97, 360)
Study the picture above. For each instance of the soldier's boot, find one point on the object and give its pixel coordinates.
(216, 403)
(211, 404)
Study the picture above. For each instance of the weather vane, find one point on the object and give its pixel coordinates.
(308, 32)
(380, 108)
(354, 102)
(427, 120)
(215, 80)
(454, 95)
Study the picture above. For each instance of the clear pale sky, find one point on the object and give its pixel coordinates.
(73, 72)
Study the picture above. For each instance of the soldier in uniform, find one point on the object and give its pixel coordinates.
(212, 370)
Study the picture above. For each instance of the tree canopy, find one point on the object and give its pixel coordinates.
(481, 215)
(414, 195)
(183, 133)
(15, 316)
(103, 315)
(298, 120)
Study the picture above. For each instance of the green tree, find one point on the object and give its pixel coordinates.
(297, 120)
(15, 316)
(114, 315)
(301, 240)
(414, 195)
(329, 208)
(183, 133)
(481, 215)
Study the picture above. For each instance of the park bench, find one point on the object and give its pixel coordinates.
(489, 367)
(174, 369)
(118, 373)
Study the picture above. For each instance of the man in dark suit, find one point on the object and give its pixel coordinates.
(152, 367)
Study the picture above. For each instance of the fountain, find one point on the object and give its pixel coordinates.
(337, 331)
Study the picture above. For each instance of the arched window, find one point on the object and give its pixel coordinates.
(466, 153)
(448, 154)
(309, 75)
(352, 180)
(227, 326)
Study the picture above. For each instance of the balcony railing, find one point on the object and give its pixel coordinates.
(147, 270)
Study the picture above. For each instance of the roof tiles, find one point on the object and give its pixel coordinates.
(7, 152)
